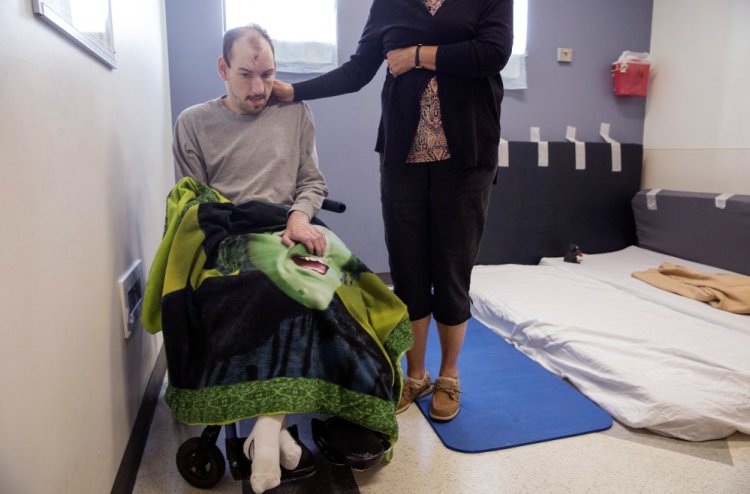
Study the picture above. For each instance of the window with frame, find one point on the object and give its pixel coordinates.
(514, 73)
(311, 47)
(305, 42)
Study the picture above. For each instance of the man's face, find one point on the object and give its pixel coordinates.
(249, 78)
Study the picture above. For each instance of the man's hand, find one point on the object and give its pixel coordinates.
(282, 91)
(299, 229)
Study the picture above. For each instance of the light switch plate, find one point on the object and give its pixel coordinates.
(565, 55)
(131, 288)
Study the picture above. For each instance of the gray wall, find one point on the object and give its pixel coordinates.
(580, 93)
(86, 170)
(577, 94)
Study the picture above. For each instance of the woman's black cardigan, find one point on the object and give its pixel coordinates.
(474, 39)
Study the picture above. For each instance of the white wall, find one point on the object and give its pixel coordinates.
(85, 166)
(697, 127)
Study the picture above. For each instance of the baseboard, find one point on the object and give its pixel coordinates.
(131, 459)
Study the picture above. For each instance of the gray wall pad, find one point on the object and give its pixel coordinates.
(690, 225)
(537, 211)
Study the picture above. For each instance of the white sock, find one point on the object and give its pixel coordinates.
(291, 452)
(262, 448)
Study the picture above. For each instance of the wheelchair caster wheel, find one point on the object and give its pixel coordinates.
(199, 466)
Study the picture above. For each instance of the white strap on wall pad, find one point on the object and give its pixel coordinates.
(721, 200)
(542, 147)
(651, 199)
(570, 135)
(503, 155)
(616, 149)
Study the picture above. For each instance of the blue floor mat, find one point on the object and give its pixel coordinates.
(507, 399)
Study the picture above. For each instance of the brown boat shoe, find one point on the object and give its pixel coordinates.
(445, 399)
(414, 389)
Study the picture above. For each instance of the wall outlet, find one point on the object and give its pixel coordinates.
(131, 287)
(565, 55)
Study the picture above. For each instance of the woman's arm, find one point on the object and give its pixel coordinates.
(482, 56)
(352, 76)
(488, 52)
(402, 60)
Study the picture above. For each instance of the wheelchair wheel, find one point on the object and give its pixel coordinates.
(199, 466)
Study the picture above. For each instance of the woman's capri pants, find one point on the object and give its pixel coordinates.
(434, 215)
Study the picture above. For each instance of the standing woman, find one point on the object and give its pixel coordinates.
(438, 139)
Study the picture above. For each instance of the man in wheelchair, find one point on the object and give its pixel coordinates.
(264, 311)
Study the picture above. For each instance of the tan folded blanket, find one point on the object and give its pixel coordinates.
(729, 292)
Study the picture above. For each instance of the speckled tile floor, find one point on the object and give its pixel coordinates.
(619, 460)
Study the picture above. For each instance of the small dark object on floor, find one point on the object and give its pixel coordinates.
(573, 254)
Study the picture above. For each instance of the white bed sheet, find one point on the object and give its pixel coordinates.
(615, 268)
(647, 364)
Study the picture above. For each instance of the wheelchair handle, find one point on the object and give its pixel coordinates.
(335, 206)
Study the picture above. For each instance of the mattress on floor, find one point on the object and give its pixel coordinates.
(650, 364)
(615, 268)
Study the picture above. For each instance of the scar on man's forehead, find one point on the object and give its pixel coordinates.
(255, 41)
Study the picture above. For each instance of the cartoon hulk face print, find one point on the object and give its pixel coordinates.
(308, 279)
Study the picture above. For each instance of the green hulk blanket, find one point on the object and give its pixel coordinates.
(254, 328)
